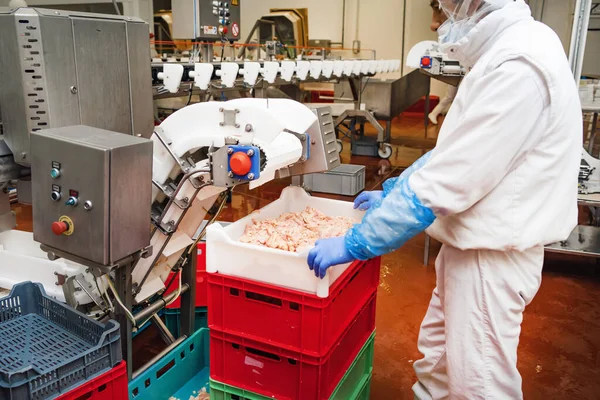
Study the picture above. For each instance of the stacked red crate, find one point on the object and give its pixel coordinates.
(287, 344)
(110, 385)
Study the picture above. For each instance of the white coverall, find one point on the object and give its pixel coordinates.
(502, 182)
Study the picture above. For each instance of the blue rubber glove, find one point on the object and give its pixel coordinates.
(327, 253)
(366, 200)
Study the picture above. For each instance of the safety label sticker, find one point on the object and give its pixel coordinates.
(210, 30)
(235, 29)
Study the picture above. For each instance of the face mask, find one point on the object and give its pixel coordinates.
(452, 31)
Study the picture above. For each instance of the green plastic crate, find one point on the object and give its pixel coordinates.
(365, 392)
(355, 384)
(173, 317)
(351, 386)
(183, 371)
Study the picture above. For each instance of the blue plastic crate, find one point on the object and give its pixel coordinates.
(183, 372)
(46, 347)
(173, 319)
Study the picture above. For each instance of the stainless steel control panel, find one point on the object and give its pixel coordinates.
(92, 192)
(208, 20)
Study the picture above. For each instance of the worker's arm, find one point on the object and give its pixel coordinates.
(371, 199)
(472, 159)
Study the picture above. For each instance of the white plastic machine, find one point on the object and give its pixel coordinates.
(197, 153)
(428, 57)
(244, 141)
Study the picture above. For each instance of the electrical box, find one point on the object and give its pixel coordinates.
(92, 192)
(208, 20)
(63, 68)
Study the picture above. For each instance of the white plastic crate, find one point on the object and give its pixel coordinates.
(347, 180)
(226, 255)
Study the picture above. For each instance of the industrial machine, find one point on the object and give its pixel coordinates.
(431, 61)
(206, 20)
(589, 174)
(117, 203)
(51, 77)
(127, 208)
(384, 100)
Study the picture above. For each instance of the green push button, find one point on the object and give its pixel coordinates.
(55, 173)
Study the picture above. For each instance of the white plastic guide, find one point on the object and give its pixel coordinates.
(327, 70)
(348, 67)
(338, 68)
(287, 70)
(202, 74)
(302, 68)
(269, 71)
(228, 73)
(250, 72)
(171, 76)
(315, 69)
(356, 67)
(372, 66)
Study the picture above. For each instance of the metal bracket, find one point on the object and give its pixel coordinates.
(88, 288)
(304, 139)
(185, 165)
(219, 162)
(229, 117)
(60, 279)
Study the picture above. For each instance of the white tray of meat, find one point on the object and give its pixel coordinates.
(271, 245)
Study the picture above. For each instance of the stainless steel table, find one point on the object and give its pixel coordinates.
(583, 241)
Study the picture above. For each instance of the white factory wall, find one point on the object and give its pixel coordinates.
(324, 16)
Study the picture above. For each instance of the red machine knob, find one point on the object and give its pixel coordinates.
(240, 163)
(225, 30)
(58, 228)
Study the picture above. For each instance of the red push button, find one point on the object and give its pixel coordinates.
(240, 163)
(426, 61)
(58, 228)
(225, 30)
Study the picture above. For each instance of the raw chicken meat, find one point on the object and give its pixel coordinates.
(293, 231)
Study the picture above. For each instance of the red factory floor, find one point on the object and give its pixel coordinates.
(559, 353)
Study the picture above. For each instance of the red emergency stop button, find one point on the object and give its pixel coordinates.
(240, 163)
(225, 30)
(59, 227)
(426, 61)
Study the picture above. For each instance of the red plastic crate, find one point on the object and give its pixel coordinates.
(201, 281)
(110, 385)
(283, 374)
(287, 318)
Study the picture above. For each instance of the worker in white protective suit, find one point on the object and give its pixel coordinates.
(501, 183)
(437, 19)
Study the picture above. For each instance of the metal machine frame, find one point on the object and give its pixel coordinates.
(49, 79)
